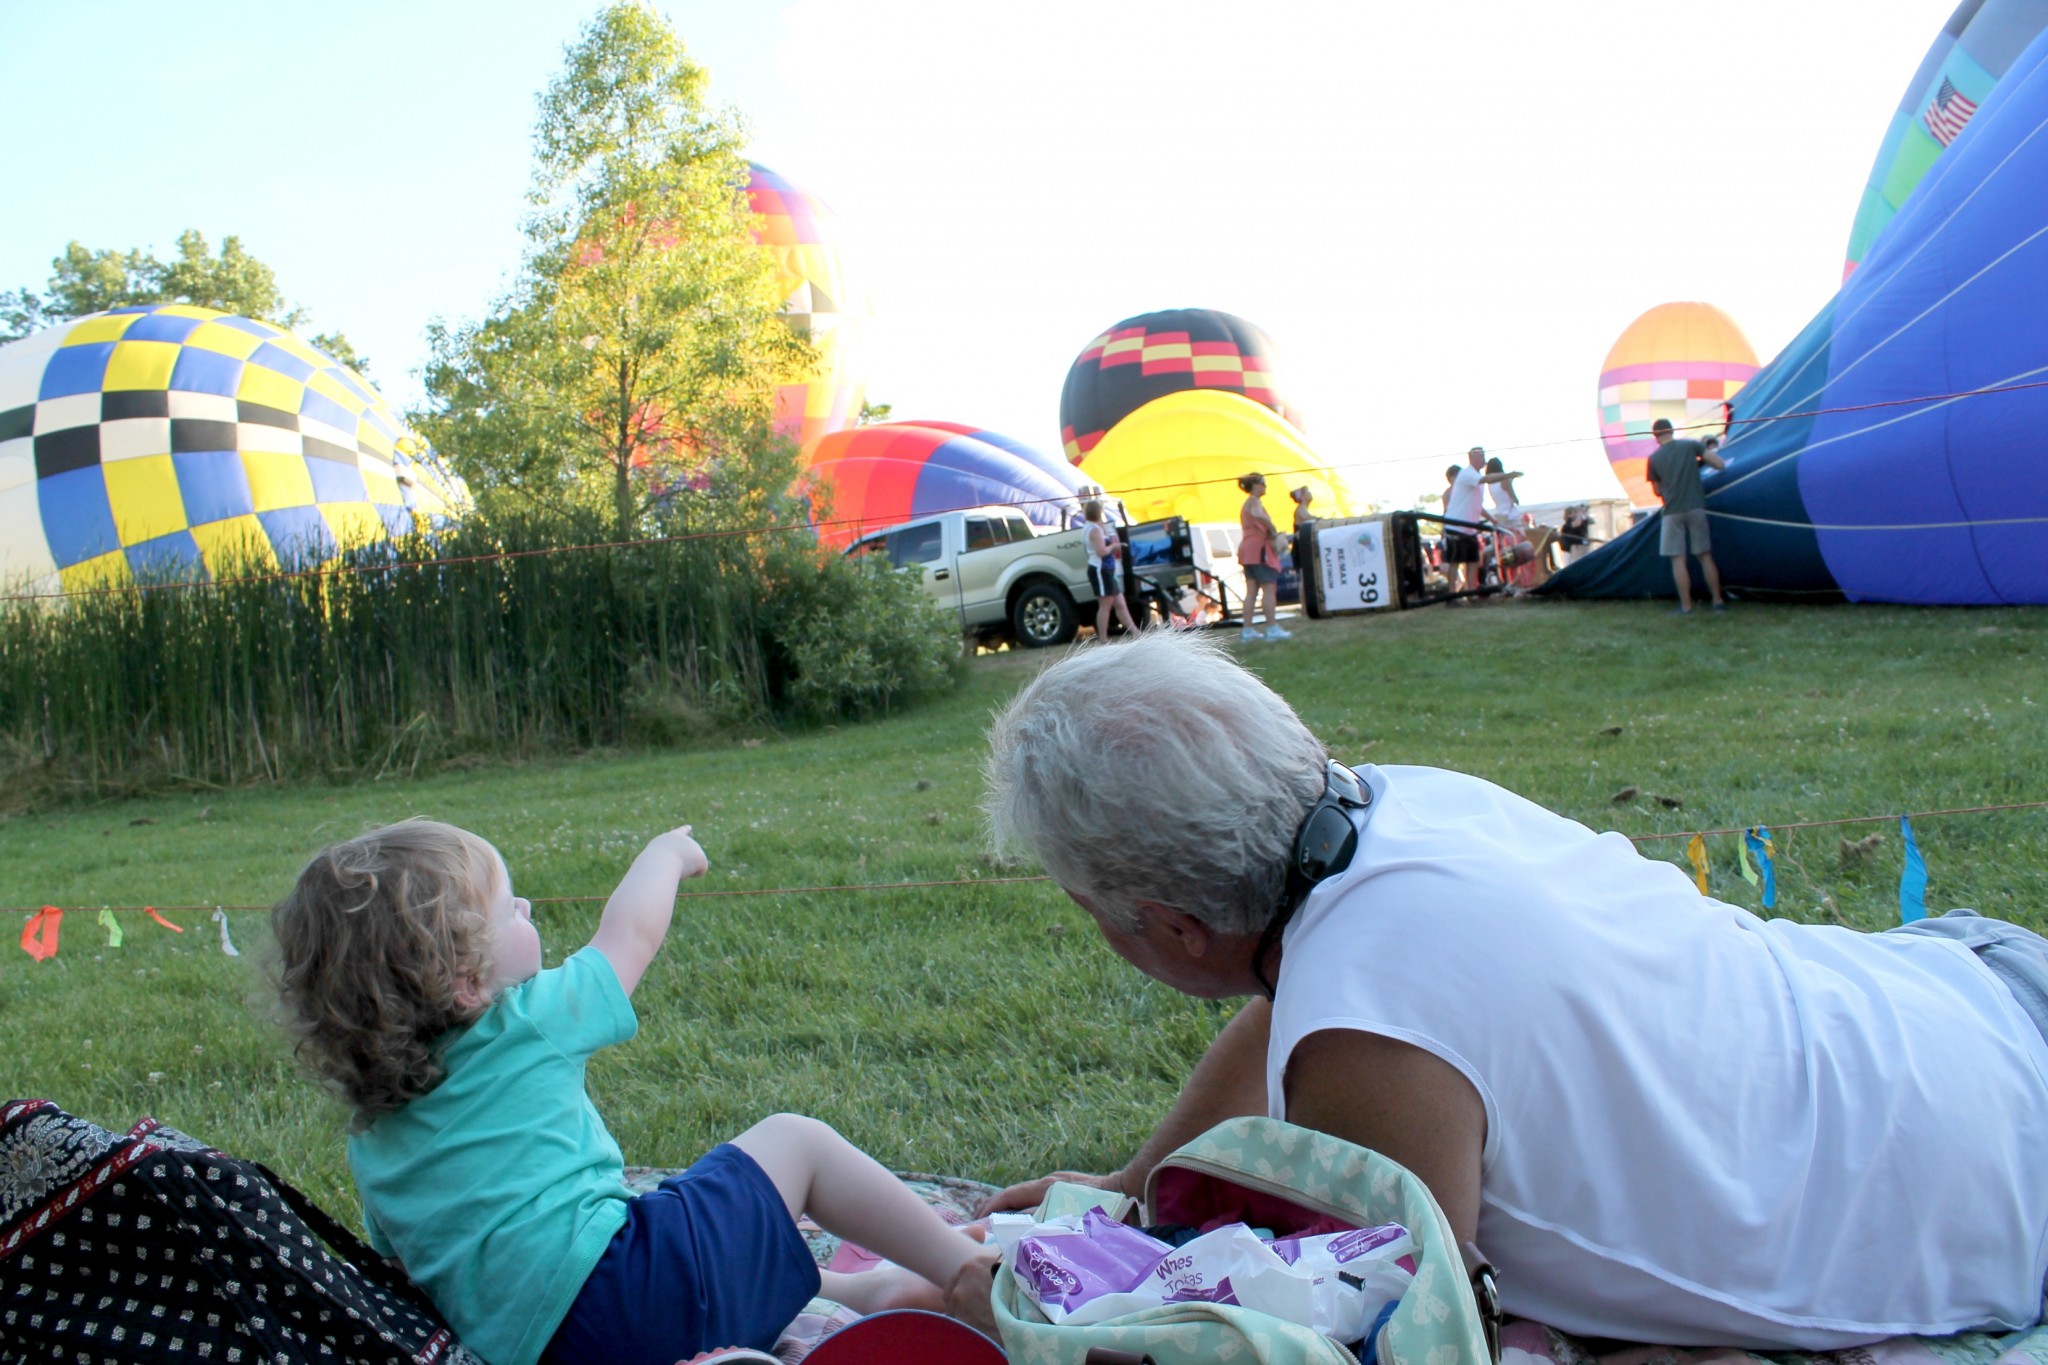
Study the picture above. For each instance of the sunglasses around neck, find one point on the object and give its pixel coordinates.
(1323, 846)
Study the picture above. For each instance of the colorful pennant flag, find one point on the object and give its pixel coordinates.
(112, 925)
(39, 935)
(1748, 868)
(150, 910)
(1758, 842)
(1696, 854)
(1912, 881)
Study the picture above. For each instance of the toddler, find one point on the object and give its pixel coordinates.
(411, 974)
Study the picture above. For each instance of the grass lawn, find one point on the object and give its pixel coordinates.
(985, 1030)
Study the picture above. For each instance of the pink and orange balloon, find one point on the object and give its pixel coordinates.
(1679, 361)
(821, 299)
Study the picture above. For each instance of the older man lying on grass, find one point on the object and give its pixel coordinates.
(1661, 1117)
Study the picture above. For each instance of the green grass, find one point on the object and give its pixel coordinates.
(985, 1030)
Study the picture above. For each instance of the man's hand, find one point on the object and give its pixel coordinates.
(1031, 1193)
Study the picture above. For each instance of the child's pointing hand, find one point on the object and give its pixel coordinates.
(685, 849)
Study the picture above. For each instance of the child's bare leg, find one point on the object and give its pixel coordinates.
(880, 1289)
(820, 1173)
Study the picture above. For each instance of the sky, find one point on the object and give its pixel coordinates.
(1443, 213)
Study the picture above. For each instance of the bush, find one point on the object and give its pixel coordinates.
(856, 638)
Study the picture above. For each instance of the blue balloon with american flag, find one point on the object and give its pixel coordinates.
(1974, 51)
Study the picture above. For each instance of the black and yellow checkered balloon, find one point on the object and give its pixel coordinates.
(174, 441)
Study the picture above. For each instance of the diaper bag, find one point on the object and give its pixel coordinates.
(1274, 1175)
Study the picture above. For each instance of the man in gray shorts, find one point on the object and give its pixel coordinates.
(1674, 471)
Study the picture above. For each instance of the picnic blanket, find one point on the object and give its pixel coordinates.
(1522, 1342)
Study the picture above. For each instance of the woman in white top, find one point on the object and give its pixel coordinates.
(1507, 508)
(1106, 571)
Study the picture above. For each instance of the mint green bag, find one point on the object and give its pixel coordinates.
(1282, 1176)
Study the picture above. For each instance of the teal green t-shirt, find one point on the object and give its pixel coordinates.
(500, 1188)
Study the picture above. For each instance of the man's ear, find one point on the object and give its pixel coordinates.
(1191, 935)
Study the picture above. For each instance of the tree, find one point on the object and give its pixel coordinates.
(84, 281)
(638, 351)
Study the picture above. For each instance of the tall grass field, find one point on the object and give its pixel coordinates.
(491, 640)
(982, 1029)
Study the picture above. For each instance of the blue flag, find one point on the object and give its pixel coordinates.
(1912, 881)
(1758, 841)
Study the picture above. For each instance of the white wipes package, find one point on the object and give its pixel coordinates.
(1354, 1274)
(1231, 1265)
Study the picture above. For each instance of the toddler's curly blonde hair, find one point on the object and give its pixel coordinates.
(373, 944)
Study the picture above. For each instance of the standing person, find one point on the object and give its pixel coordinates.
(1302, 497)
(1507, 508)
(1106, 571)
(1576, 533)
(1465, 500)
(1663, 1118)
(1517, 566)
(1674, 471)
(1258, 550)
(411, 974)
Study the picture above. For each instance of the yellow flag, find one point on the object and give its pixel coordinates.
(1696, 854)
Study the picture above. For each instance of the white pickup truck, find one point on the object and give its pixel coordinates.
(990, 565)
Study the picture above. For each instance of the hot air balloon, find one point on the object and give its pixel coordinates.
(884, 475)
(1182, 455)
(1155, 354)
(1974, 51)
(1891, 453)
(1051, 464)
(174, 441)
(821, 300)
(1679, 361)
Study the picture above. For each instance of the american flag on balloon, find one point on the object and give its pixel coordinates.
(1948, 113)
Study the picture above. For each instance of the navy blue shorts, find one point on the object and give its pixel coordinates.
(711, 1258)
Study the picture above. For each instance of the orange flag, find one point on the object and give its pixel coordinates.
(39, 935)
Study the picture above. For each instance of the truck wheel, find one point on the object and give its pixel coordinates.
(1042, 615)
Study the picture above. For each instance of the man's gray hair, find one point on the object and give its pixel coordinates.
(1155, 770)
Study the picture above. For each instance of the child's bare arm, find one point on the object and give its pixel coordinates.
(636, 917)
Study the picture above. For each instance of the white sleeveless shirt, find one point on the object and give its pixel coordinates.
(1701, 1127)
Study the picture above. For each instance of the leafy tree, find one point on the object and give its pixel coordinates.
(85, 281)
(635, 357)
(873, 414)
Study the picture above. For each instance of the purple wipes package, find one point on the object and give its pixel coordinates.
(1105, 1257)
(1389, 1240)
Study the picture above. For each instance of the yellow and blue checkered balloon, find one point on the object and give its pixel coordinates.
(176, 442)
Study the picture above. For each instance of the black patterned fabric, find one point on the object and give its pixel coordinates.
(154, 1247)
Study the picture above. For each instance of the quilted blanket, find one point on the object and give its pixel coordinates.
(1522, 1342)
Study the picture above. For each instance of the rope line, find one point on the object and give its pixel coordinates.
(334, 570)
(1849, 820)
(1024, 881)
(1913, 526)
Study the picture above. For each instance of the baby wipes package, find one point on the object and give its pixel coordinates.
(1068, 1269)
(1091, 1269)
